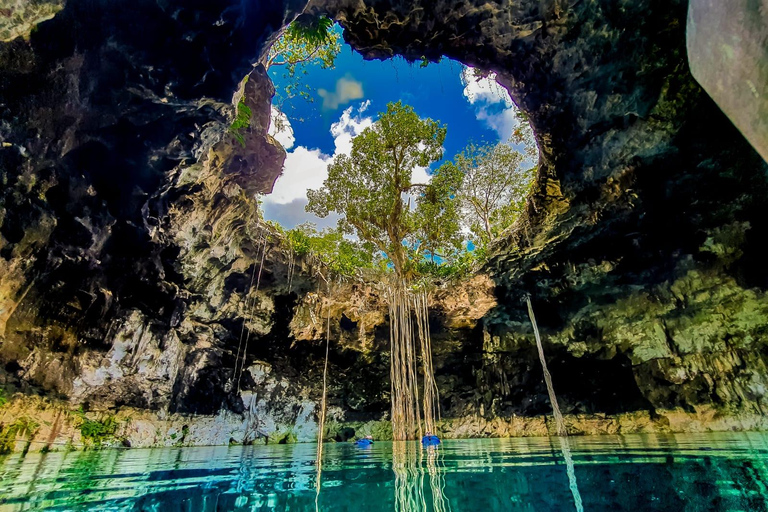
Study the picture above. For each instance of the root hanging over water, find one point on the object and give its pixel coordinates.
(250, 308)
(409, 489)
(410, 338)
(323, 402)
(562, 432)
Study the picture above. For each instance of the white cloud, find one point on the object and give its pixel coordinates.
(307, 168)
(349, 125)
(292, 214)
(347, 89)
(492, 102)
(280, 128)
(304, 169)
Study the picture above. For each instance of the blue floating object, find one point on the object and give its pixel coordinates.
(364, 443)
(430, 440)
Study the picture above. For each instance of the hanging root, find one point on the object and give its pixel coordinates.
(562, 432)
(323, 404)
(406, 417)
(406, 342)
(250, 318)
(431, 400)
(250, 306)
(409, 477)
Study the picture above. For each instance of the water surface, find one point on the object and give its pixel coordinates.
(713, 472)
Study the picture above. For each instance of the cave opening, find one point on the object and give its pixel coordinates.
(323, 103)
(470, 182)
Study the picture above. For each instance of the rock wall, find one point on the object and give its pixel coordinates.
(642, 242)
(130, 243)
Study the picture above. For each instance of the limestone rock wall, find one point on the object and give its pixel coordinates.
(642, 242)
(129, 237)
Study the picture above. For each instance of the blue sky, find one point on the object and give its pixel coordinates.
(348, 98)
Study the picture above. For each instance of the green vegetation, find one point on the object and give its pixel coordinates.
(495, 186)
(341, 256)
(338, 254)
(437, 218)
(3, 397)
(307, 41)
(370, 187)
(242, 117)
(418, 226)
(96, 432)
(19, 429)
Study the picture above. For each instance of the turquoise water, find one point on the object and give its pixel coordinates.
(633, 473)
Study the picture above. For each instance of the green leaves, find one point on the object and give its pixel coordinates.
(96, 431)
(494, 188)
(23, 427)
(314, 31)
(370, 186)
(342, 256)
(308, 41)
(241, 122)
(437, 214)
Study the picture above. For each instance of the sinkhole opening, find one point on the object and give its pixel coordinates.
(417, 167)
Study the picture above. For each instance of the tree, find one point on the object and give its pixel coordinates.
(437, 215)
(370, 187)
(346, 257)
(495, 185)
(309, 40)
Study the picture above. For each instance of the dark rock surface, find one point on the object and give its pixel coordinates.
(643, 240)
(129, 235)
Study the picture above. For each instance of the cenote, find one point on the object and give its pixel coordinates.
(383, 255)
(654, 472)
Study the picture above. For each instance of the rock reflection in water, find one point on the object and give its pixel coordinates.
(688, 473)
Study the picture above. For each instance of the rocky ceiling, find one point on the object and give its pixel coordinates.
(648, 211)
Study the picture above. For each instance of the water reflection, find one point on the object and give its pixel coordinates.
(419, 478)
(725, 472)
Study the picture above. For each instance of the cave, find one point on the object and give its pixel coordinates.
(142, 289)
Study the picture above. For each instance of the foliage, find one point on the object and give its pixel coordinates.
(242, 117)
(495, 186)
(438, 217)
(96, 431)
(461, 265)
(342, 256)
(307, 41)
(370, 187)
(22, 427)
(3, 397)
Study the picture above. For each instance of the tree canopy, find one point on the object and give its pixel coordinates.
(495, 184)
(342, 256)
(372, 188)
(308, 41)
